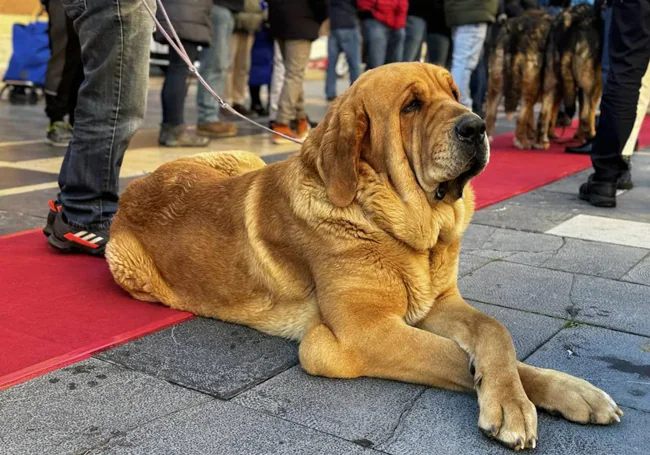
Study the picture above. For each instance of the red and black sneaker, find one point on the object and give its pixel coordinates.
(68, 239)
(55, 208)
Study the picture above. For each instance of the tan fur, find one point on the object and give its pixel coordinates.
(344, 248)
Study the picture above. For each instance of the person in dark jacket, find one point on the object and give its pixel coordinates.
(469, 21)
(344, 37)
(191, 20)
(383, 23)
(215, 62)
(261, 69)
(426, 21)
(294, 25)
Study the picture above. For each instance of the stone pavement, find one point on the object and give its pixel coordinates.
(207, 387)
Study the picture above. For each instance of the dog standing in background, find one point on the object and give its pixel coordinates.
(515, 72)
(572, 70)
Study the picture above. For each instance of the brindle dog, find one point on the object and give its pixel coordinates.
(515, 71)
(572, 70)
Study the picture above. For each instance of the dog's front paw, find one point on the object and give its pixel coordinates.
(577, 400)
(507, 415)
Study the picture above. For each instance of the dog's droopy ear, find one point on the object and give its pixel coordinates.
(452, 86)
(345, 125)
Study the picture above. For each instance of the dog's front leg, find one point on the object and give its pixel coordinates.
(506, 413)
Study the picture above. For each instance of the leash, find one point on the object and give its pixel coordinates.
(178, 47)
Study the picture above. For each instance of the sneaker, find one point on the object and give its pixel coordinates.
(59, 134)
(243, 110)
(302, 128)
(217, 129)
(282, 129)
(260, 110)
(598, 194)
(178, 136)
(68, 239)
(55, 207)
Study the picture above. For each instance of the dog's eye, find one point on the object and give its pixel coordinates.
(413, 106)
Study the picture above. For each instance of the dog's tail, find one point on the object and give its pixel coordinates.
(513, 73)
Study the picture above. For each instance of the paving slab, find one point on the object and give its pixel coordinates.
(78, 407)
(640, 273)
(467, 263)
(614, 304)
(521, 215)
(364, 409)
(595, 258)
(528, 331)
(475, 236)
(517, 246)
(225, 428)
(13, 222)
(521, 287)
(618, 363)
(209, 356)
(608, 230)
(443, 422)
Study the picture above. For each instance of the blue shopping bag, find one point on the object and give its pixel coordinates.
(31, 51)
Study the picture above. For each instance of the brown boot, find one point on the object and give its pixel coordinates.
(282, 129)
(217, 129)
(302, 128)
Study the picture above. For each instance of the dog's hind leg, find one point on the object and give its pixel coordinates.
(525, 123)
(495, 90)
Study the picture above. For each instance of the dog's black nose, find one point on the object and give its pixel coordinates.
(471, 128)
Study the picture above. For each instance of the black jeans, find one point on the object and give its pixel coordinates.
(115, 36)
(174, 88)
(64, 68)
(629, 53)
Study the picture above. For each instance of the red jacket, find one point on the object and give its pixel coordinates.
(390, 12)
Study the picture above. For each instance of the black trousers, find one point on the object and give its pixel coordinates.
(64, 69)
(629, 55)
(174, 88)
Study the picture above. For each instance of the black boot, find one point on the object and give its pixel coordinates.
(624, 182)
(598, 194)
(584, 149)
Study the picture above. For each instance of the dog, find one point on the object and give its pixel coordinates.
(572, 70)
(515, 72)
(349, 247)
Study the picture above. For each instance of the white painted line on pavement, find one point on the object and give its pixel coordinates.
(607, 230)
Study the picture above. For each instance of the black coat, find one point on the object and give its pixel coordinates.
(433, 11)
(343, 13)
(233, 5)
(296, 19)
(192, 20)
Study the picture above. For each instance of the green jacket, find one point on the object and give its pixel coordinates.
(463, 12)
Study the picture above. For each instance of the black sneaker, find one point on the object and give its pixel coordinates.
(598, 194)
(59, 134)
(68, 239)
(55, 208)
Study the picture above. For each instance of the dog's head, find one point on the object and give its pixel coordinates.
(405, 121)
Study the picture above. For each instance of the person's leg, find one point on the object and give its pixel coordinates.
(438, 48)
(115, 37)
(333, 50)
(296, 56)
(416, 30)
(395, 50)
(468, 43)
(215, 61)
(277, 78)
(641, 108)
(375, 34)
(350, 41)
(241, 67)
(59, 77)
(478, 85)
(629, 56)
(607, 27)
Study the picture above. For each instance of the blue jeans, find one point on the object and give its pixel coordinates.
(214, 63)
(416, 30)
(174, 88)
(385, 44)
(344, 40)
(115, 36)
(468, 44)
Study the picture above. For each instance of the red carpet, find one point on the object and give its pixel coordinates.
(57, 309)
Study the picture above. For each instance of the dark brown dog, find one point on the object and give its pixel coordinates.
(572, 72)
(515, 71)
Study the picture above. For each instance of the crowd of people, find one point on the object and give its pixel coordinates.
(98, 77)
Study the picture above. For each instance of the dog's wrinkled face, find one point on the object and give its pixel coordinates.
(396, 112)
